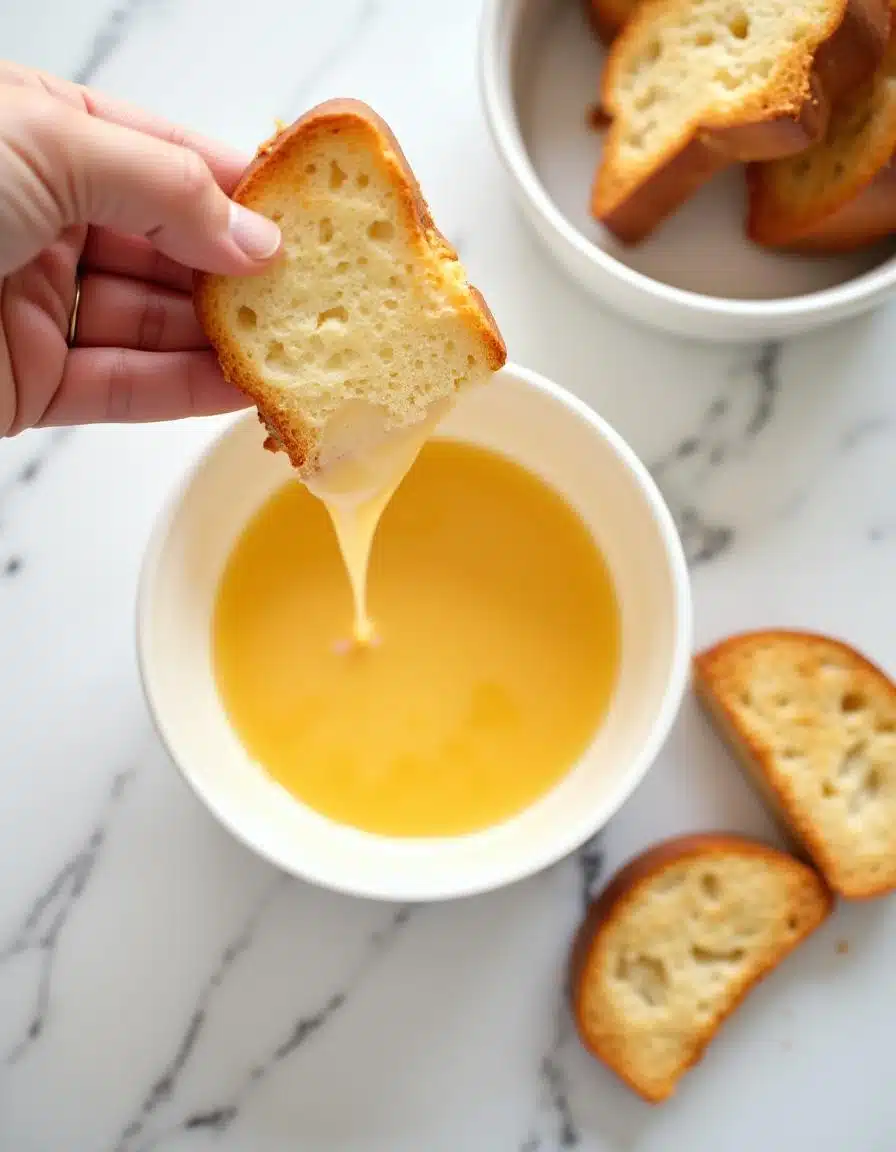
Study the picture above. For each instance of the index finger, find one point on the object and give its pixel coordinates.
(227, 164)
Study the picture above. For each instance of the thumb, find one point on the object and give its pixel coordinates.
(72, 168)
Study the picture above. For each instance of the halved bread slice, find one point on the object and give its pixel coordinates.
(608, 16)
(814, 723)
(840, 193)
(693, 85)
(368, 310)
(674, 944)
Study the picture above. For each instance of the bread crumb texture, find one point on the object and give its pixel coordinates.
(368, 303)
(817, 722)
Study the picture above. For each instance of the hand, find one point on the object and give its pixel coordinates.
(136, 204)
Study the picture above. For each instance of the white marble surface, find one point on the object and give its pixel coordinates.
(159, 986)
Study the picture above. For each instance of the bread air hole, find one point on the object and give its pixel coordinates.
(853, 761)
(341, 359)
(310, 169)
(325, 230)
(381, 230)
(739, 25)
(337, 175)
(710, 887)
(362, 179)
(885, 727)
(708, 956)
(247, 318)
(652, 51)
(704, 39)
(867, 791)
(337, 315)
(275, 355)
(390, 303)
(646, 976)
(853, 702)
(726, 79)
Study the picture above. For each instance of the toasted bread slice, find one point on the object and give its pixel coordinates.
(815, 724)
(674, 944)
(839, 194)
(368, 304)
(693, 85)
(608, 16)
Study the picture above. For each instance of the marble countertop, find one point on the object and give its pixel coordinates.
(160, 987)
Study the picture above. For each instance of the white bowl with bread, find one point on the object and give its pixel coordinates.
(716, 170)
(364, 339)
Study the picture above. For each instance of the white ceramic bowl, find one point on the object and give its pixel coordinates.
(698, 275)
(561, 439)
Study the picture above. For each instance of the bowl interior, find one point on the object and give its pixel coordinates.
(555, 436)
(553, 62)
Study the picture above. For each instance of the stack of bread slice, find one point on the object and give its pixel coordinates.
(801, 92)
(685, 930)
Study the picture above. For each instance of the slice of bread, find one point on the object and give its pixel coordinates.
(840, 193)
(694, 85)
(815, 724)
(368, 309)
(674, 944)
(608, 16)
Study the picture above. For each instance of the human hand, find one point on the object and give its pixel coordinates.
(93, 187)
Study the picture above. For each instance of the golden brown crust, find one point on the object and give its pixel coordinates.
(779, 124)
(274, 157)
(755, 758)
(855, 208)
(870, 216)
(625, 888)
(608, 16)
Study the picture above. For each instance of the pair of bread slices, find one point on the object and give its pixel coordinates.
(804, 93)
(683, 932)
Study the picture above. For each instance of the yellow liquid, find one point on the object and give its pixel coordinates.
(496, 652)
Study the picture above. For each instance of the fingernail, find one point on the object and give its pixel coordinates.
(255, 235)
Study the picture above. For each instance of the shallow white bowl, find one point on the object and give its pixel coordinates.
(698, 275)
(554, 435)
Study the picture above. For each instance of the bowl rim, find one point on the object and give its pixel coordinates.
(575, 833)
(507, 137)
